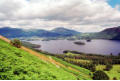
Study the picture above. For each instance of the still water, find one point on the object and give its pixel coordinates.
(100, 46)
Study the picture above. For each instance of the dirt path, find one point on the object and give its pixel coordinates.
(43, 57)
(5, 39)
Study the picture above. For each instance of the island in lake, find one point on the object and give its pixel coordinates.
(79, 43)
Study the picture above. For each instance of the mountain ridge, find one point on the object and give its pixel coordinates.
(65, 31)
(111, 33)
(18, 32)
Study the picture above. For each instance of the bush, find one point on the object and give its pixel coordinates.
(93, 68)
(100, 75)
(114, 78)
(108, 67)
(17, 43)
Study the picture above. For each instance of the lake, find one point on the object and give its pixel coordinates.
(105, 47)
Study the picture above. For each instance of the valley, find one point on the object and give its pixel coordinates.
(77, 55)
(59, 40)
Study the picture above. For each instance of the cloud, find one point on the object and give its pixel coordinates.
(81, 15)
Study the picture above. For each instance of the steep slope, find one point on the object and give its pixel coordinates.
(110, 33)
(19, 64)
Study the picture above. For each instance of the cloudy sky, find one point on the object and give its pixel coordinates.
(81, 15)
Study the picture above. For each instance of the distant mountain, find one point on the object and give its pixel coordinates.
(17, 32)
(109, 33)
(11, 32)
(65, 32)
(114, 30)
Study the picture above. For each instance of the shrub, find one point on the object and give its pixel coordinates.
(19, 70)
(114, 78)
(65, 51)
(108, 67)
(100, 75)
(17, 43)
(119, 54)
(3, 77)
(93, 68)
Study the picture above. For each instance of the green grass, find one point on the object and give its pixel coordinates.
(114, 72)
(79, 60)
(71, 54)
(100, 67)
(16, 64)
(82, 71)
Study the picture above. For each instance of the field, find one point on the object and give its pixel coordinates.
(17, 64)
(114, 72)
(79, 60)
(83, 70)
(91, 62)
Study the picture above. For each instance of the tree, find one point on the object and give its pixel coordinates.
(92, 67)
(16, 42)
(108, 67)
(100, 75)
(119, 54)
(65, 51)
(111, 54)
(114, 78)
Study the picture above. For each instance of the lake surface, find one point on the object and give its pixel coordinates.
(104, 47)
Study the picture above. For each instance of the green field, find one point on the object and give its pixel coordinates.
(114, 72)
(71, 54)
(79, 60)
(83, 70)
(16, 64)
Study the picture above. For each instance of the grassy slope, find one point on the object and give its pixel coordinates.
(82, 71)
(18, 64)
(114, 72)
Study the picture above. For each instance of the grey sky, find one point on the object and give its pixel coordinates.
(81, 15)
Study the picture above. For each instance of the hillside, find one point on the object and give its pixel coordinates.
(109, 33)
(65, 32)
(18, 32)
(17, 64)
